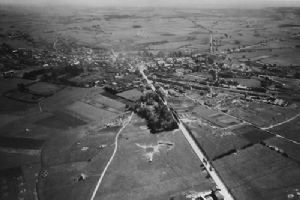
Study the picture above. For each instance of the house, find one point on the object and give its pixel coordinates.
(8, 74)
(241, 87)
(160, 62)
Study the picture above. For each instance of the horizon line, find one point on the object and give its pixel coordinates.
(147, 6)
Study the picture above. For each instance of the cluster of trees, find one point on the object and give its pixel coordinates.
(15, 59)
(34, 73)
(179, 54)
(136, 26)
(159, 117)
(22, 87)
(69, 71)
(297, 75)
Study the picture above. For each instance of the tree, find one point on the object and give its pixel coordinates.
(159, 117)
(160, 54)
(22, 87)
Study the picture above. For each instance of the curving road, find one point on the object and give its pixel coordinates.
(266, 129)
(281, 123)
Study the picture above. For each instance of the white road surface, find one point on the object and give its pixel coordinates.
(200, 154)
(263, 128)
(281, 123)
(111, 158)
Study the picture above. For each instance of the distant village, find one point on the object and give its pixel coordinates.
(175, 72)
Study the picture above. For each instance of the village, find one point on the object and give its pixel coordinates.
(143, 118)
(176, 72)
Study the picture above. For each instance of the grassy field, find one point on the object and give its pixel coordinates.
(215, 117)
(261, 114)
(67, 140)
(44, 88)
(288, 148)
(214, 142)
(63, 98)
(256, 171)
(12, 107)
(7, 119)
(104, 102)
(289, 130)
(90, 112)
(79, 152)
(157, 29)
(288, 82)
(166, 176)
(132, 95)
(60, 120)
(9, 84)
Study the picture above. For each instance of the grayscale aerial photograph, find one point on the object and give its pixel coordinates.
(150, 99)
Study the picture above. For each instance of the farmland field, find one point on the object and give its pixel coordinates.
(225, 104)
(138, 178)
(60, 120)
(89, 112)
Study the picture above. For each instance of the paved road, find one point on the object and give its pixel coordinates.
(200, 154)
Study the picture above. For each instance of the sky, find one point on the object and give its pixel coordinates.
(163, 3)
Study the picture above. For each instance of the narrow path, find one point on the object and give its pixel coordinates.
(266, 129)
(111, 158)
(281, 123)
